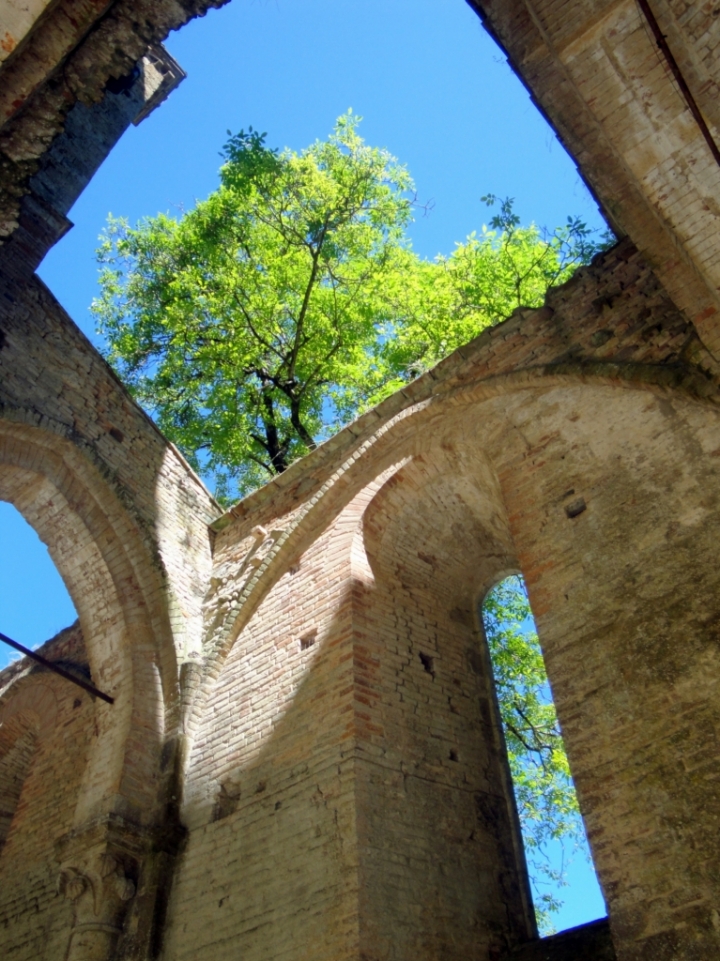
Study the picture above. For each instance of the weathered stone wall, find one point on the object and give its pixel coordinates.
(341, 717)
(603, 400)
(55, 720)
(125, 520)
(440, 853)
(271, 861)
(303, 685)
(375, 780)
(595, 69)
(63, 53)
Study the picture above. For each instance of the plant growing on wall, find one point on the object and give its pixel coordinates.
(241, 322)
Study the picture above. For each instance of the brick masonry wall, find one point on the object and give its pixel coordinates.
(342, 802)
(441, 864)
(56, 720)
(125, 520)
(271, 861)
(325, 807)
(613, 504)
(604, 394)
(68, 54)
(346, 793)
(53, 380)
(595, 70)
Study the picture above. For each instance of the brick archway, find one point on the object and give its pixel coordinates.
(117, 590)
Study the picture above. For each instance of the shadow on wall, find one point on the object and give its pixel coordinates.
(367, 770)
(351, 739)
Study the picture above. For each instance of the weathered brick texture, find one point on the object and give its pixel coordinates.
(465, 478)
(66, 52)
(595, 69)
(303, 759)
(55, 720)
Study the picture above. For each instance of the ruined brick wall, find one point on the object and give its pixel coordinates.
(341, 801)
(613, 504)
(46, 726)
(125, 520)
(595, 68)
(603, 400)
(302, 684)
(60, 54)
(346, 790)
(271, 861)
(440, 854)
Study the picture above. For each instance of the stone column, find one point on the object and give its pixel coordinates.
(98, 874)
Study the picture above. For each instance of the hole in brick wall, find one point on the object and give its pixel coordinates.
(427, 663)
(307, 640)
(226, 800)
(123, 84)
(552, 829)
(453, 755)
(575, 508)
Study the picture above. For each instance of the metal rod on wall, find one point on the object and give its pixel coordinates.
(93, 691)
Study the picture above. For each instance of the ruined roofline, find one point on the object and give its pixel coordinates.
(565, 333)
(88, 346)
(71, 54)
(630, 89)
(66, 647)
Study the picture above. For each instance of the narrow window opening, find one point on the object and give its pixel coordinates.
(34, 602)
(564, 885)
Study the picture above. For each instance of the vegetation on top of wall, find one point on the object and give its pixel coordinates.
(290, 300)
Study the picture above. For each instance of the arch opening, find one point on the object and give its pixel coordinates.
(34, 601)
(110, 578)
(562, 875)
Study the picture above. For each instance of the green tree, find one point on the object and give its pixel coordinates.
(241, 323)
(545, 795)
(443, 304)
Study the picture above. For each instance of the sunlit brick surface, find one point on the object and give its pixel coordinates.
(303, 759)
(594, 67)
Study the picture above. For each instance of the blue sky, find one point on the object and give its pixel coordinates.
(432, 88)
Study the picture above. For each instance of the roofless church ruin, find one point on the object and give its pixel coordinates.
(279, 777)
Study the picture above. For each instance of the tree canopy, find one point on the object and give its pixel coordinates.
(290, 300)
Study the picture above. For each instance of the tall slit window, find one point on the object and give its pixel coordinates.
(562, 877)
